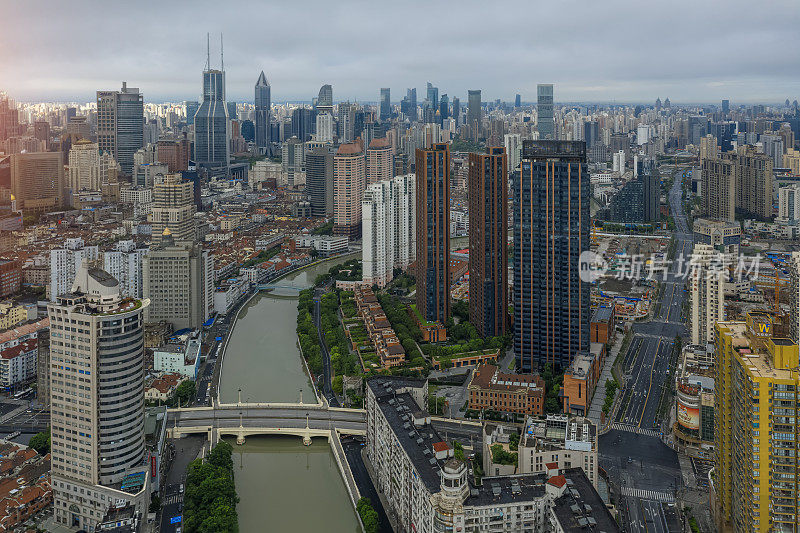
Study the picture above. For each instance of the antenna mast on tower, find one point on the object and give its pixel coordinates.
(221, 53)
(208, 51)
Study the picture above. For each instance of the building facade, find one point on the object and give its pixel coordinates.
(349, 179)
(380, 161)
(125, 264)
(263, 104)
(97, 401)
(88, 169)
(211, 124)
(388, 228)
(707, 280)
(544, 109)
(37, 181)
(433, 232)
(120, 124)
(173, 208)
(551, 231)
(65, 262)
(755, 472)
(488, 242)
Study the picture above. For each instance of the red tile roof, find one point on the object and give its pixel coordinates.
(557, 481)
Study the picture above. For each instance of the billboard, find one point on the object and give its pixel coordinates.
(688, 417)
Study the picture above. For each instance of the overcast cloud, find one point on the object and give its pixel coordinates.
(592, 50)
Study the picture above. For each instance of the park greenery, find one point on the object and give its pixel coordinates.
(502, 457)
(368, 514)
(552, 383)
(41, 442)
(611, 389)
(325, 229)
(210, 499)
(513, 442)
(460, 144)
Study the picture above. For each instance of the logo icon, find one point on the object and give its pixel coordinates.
(592, 266)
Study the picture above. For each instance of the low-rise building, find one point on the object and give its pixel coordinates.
(228, 293)
(428, 490)
(164, 386)
(181, 355)
(490, 389)
(556, 442)
(18, 363)
(694, 402)
(601, 327)
(580, 379)
(24, 485)
(324, 244)
(11, 315)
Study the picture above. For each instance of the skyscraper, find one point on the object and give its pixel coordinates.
(173, 208)
(325, 99)
(488, 242)
(411, 94)
(755, 438)
(544, 107)
(517, 101)
(444, 108)
(178, 278)
(120, 124)
(380, 162)
(211, 135)
(456, 110)
(431, 96)
(88, 169)
(726, 107)
(389, 232)
(319, 181)
(433, 232)
(385, 104)
(304, 122)
(37, 180)
(97, 403)
(719, 188)
(191, 109)
(324, 127)
(262, 104)
(474, 111)
(708, 294)
(551, 230)
(754, 178)
(349, 176)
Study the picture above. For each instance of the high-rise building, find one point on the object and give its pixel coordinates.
(65, 262)
(474, 111)
(544, 108)
(9, 118)
(178, 278)
(789, 203)
(124, 263)
(719, 188)
(304, 122)
(37, 180)
(174, 153)
(791, 160)
(88, 169)
(754, 196)
(97, 413)
(41, 131)
(488, 242)
(319, 181)
(411, 104)
(708, 292)
(433, 232)
(755, 444)
(551, 230)
(513, 146)
(388, 228)
(726, 107)
(517, 101)
(120, 124)
(173, 208)
(191, 110)
(637, 201)
(325, 99)
(385, 104)
(349, 180)
(324, 128)
(211, 123)
(456, 110)
(293, 154)
(794, 297)
(380, 161)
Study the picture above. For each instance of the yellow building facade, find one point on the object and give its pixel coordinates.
(755, 478)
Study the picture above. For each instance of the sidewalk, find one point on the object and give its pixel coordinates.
(596, 407)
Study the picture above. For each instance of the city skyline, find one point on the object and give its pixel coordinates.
(631, 59)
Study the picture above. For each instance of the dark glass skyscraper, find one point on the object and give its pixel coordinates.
(411, 95)
(456, 110)
(517, 101)
(385, 104)
(325, 99)
(319, 181)
(120, 124)
(211, 123)
(304, 123)
(262, 103)
(544, 107)
(488, 236)
(474, 110)
(433, 232)
(444, 107)
(551, 230)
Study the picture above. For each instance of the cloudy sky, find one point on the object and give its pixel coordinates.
(594, 51)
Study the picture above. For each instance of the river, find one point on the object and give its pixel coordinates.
(282, 485)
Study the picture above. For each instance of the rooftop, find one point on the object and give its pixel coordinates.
(580, 508)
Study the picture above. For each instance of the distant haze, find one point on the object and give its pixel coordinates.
(613, 50)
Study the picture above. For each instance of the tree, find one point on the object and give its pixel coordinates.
(368, 514)
(155, 503)
(185, 392)
(41, 442)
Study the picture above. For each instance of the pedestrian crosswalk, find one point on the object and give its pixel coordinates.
(172, 498)
(634, 429)
(648, 494)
